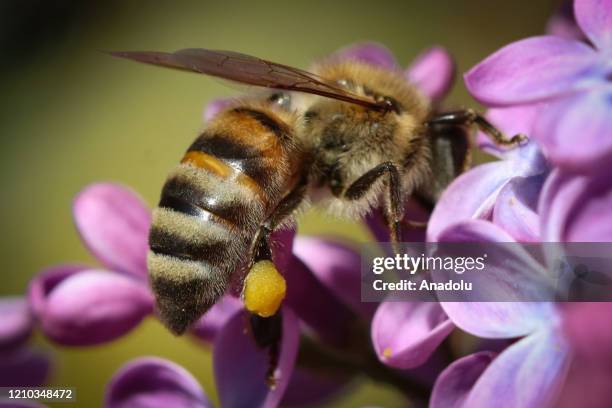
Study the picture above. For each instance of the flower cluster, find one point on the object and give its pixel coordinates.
(555, 88)
(558, 90)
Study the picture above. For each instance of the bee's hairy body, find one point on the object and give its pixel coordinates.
(212, 204)
(253, 154)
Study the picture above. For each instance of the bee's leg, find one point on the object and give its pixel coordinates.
(394, 209)
(266, 323)
(469, 117)
(260, 247)
(268, 334)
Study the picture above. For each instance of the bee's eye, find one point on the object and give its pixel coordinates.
(280, 99)
(392, 104)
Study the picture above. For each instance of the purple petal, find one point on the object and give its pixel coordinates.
(309, 388)
(471, 196)
(240, 365)
(405, 334)
(215, 106)
(151, 382)
(45, 282)
(114, 223)
(530, 70)
(16, 322)
(576, 131)
(455, 383)
(328, 317)
(527, 374)
(515, 208)
(207, 327)
(24, 367)
(93, 307)
(506, 265)
(575, 208)
(433, 72)
(595, 19)
(338, 268)
(369, 52)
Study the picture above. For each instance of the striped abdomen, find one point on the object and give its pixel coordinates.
(211, 207)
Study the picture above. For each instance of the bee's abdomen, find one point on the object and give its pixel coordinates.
(210, 209)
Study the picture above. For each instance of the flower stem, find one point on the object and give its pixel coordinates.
(340, 363)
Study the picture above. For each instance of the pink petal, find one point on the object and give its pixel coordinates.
(114, 223)
(595, 19)
(338, 268)
(527, 374)
(590, 338)
(405, 334)
(530, 70)
(151, 382)
(511, 273)
(240, 365)
(455, 383)
(369, 52)
(16, 322)
(576, 131)
(433, 72)
(44, 282)
(93, 307)
(515, 209)
(215, 106)
(207, 327)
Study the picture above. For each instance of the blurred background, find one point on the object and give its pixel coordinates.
(71, 115)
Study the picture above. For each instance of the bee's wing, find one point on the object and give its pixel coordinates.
(248, 70)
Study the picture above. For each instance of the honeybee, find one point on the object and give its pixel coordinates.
(348, 135)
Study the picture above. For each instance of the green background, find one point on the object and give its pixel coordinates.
(72, 115)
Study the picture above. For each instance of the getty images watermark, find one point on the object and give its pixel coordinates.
(491, 272)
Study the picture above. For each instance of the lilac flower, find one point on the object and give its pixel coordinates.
(80, 305)
(570, 77)
(20, 364)
(560, 350)
(151, 382)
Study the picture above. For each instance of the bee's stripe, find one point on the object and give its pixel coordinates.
(184, 207)
(223, 147)
(278, 128)
(183, 197)
(163, 242)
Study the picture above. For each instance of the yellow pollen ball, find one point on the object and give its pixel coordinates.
(264, 289)
(387, 352)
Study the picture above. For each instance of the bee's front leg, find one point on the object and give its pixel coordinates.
(394, 208)
(469, 117)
